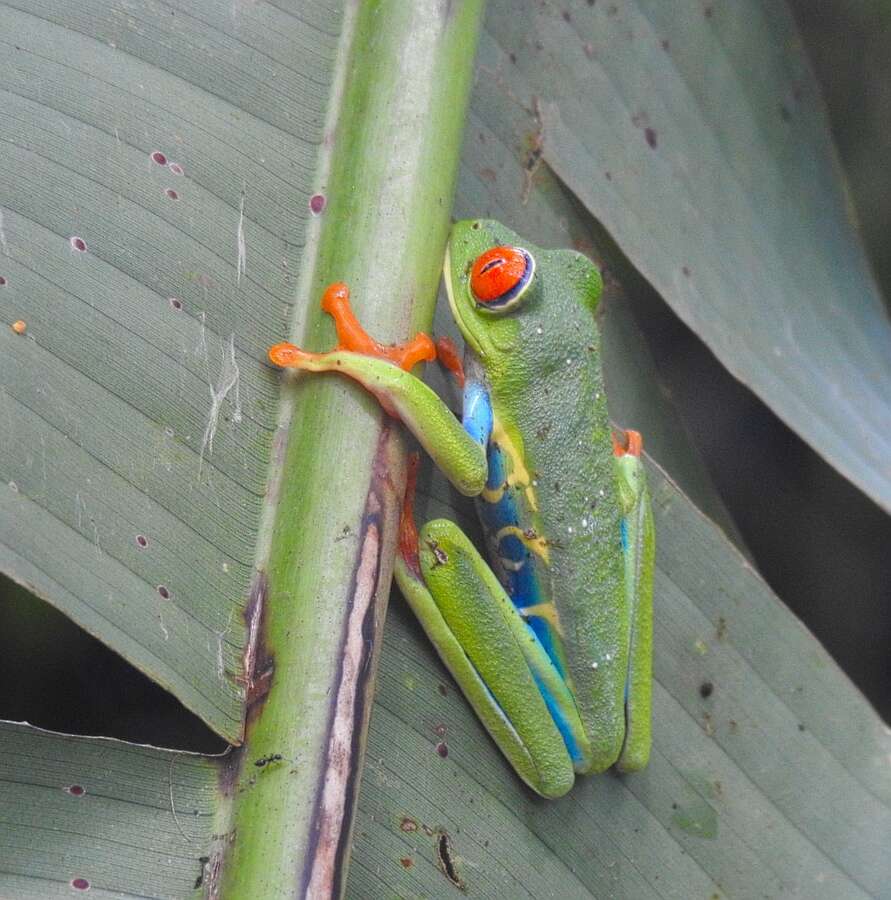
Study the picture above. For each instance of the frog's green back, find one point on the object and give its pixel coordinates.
(542, 361)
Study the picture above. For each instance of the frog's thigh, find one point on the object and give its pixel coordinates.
(467, 615)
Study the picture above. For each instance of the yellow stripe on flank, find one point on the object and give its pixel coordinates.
(538, 545)
(546, 611)
(518, 475)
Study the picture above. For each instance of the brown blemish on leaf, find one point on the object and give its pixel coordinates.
(408, 825)
(446, 860)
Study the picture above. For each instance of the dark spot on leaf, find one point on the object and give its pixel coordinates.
(406, 862)
(686, 271)
(408, 825)
(706, 689)
(652, 138)
(176, 303)
(317, 203)
(442, 748)
(78, 243)
(801, 727)
(513, 57)
(175, 168)
(2, 281)
(159, 158)
(164, 592)
(80, 884)
(171, 194)
(709, 11)
(76, 790)
(666, 44)
(609, 176)
(446, 863)
(443, 689)
(567, 15)
(142, 540)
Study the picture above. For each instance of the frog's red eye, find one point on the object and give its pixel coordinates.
(500, 276)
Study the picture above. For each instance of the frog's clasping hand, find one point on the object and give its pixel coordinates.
(385, 371)
(353, 338)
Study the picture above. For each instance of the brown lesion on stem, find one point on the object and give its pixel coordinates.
(258, 663)
(339, 776)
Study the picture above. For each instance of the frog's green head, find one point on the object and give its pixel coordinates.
(501, 288)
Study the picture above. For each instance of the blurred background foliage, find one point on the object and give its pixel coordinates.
(820, 544)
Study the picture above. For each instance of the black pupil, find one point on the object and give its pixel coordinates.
(491, 265)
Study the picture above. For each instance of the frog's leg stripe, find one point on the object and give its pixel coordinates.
(517, 474)
(520, 571)
(535, 543)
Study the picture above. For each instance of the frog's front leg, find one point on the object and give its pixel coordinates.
(502, 668)
(386, 373)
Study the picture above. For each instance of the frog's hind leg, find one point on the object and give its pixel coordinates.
(638, 549)
(500, 666)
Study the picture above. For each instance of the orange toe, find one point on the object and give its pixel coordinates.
(630, 443)
(286, 355)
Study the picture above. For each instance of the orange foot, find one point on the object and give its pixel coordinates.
(351, 336)
(629, 442)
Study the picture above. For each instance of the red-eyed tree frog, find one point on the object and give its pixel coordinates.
(551, 641)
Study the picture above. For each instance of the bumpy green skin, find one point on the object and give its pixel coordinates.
(542, 360)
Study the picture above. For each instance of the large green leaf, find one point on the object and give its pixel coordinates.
(695, 133)
(138, 427)
(776, 782)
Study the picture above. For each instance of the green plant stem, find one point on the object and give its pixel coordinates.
(317, 610)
